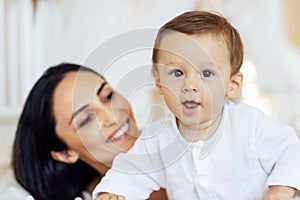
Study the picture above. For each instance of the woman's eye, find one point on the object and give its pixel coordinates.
(176, 73)
(86, 120)
(207, 74)
(108, 97)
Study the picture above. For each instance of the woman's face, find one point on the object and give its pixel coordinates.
(92, 119)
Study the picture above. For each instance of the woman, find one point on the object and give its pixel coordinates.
(72, 126)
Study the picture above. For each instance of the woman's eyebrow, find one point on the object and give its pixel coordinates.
(83, 107)
(101, 87)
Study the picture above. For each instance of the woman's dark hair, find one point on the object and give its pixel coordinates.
(42, 176)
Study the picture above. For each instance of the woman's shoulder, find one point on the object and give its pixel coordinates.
(10, 189)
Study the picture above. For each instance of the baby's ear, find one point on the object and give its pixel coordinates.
(235, 86)
(65, 156)
(157, 80)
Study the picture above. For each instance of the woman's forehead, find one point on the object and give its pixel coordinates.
(80, 77)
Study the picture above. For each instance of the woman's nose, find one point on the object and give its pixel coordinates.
(109, 116)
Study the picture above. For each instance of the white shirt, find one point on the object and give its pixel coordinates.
(247, 153)
(10, 189)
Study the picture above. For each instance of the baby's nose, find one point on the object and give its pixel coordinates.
(190, 86)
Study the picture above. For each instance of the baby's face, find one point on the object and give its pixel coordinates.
(193, 75)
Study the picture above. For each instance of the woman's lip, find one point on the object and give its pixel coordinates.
(120, 133)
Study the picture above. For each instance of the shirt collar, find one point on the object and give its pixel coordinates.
(207, 146)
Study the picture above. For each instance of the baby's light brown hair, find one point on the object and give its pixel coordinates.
(200, 23)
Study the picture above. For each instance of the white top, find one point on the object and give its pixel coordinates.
(10, 189)
(247, 153)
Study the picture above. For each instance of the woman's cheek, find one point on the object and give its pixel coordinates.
(89, 136)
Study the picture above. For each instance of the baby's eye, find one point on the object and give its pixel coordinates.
(207, 74)
(108, 97)
(176, 73)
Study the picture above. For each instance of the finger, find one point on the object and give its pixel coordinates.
(113, 197)
(121, 198)
(104, 197)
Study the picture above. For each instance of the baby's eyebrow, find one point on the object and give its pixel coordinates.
(211, 65)
(208, 65)
(172, 64)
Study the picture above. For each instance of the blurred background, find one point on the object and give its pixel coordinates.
(35, 34)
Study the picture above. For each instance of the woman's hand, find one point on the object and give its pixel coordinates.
(280, 193)
(109, 196)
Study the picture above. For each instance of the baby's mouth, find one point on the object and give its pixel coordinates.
(190, 107)
(190, 104)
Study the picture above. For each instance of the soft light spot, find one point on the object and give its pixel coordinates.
(249, 71)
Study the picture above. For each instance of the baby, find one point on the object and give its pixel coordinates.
(208, 147)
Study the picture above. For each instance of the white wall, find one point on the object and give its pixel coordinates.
(7, 136)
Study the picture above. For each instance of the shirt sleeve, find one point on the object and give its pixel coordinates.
(278, 150)
(134, 174)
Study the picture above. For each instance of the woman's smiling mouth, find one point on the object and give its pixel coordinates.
(120, 134)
